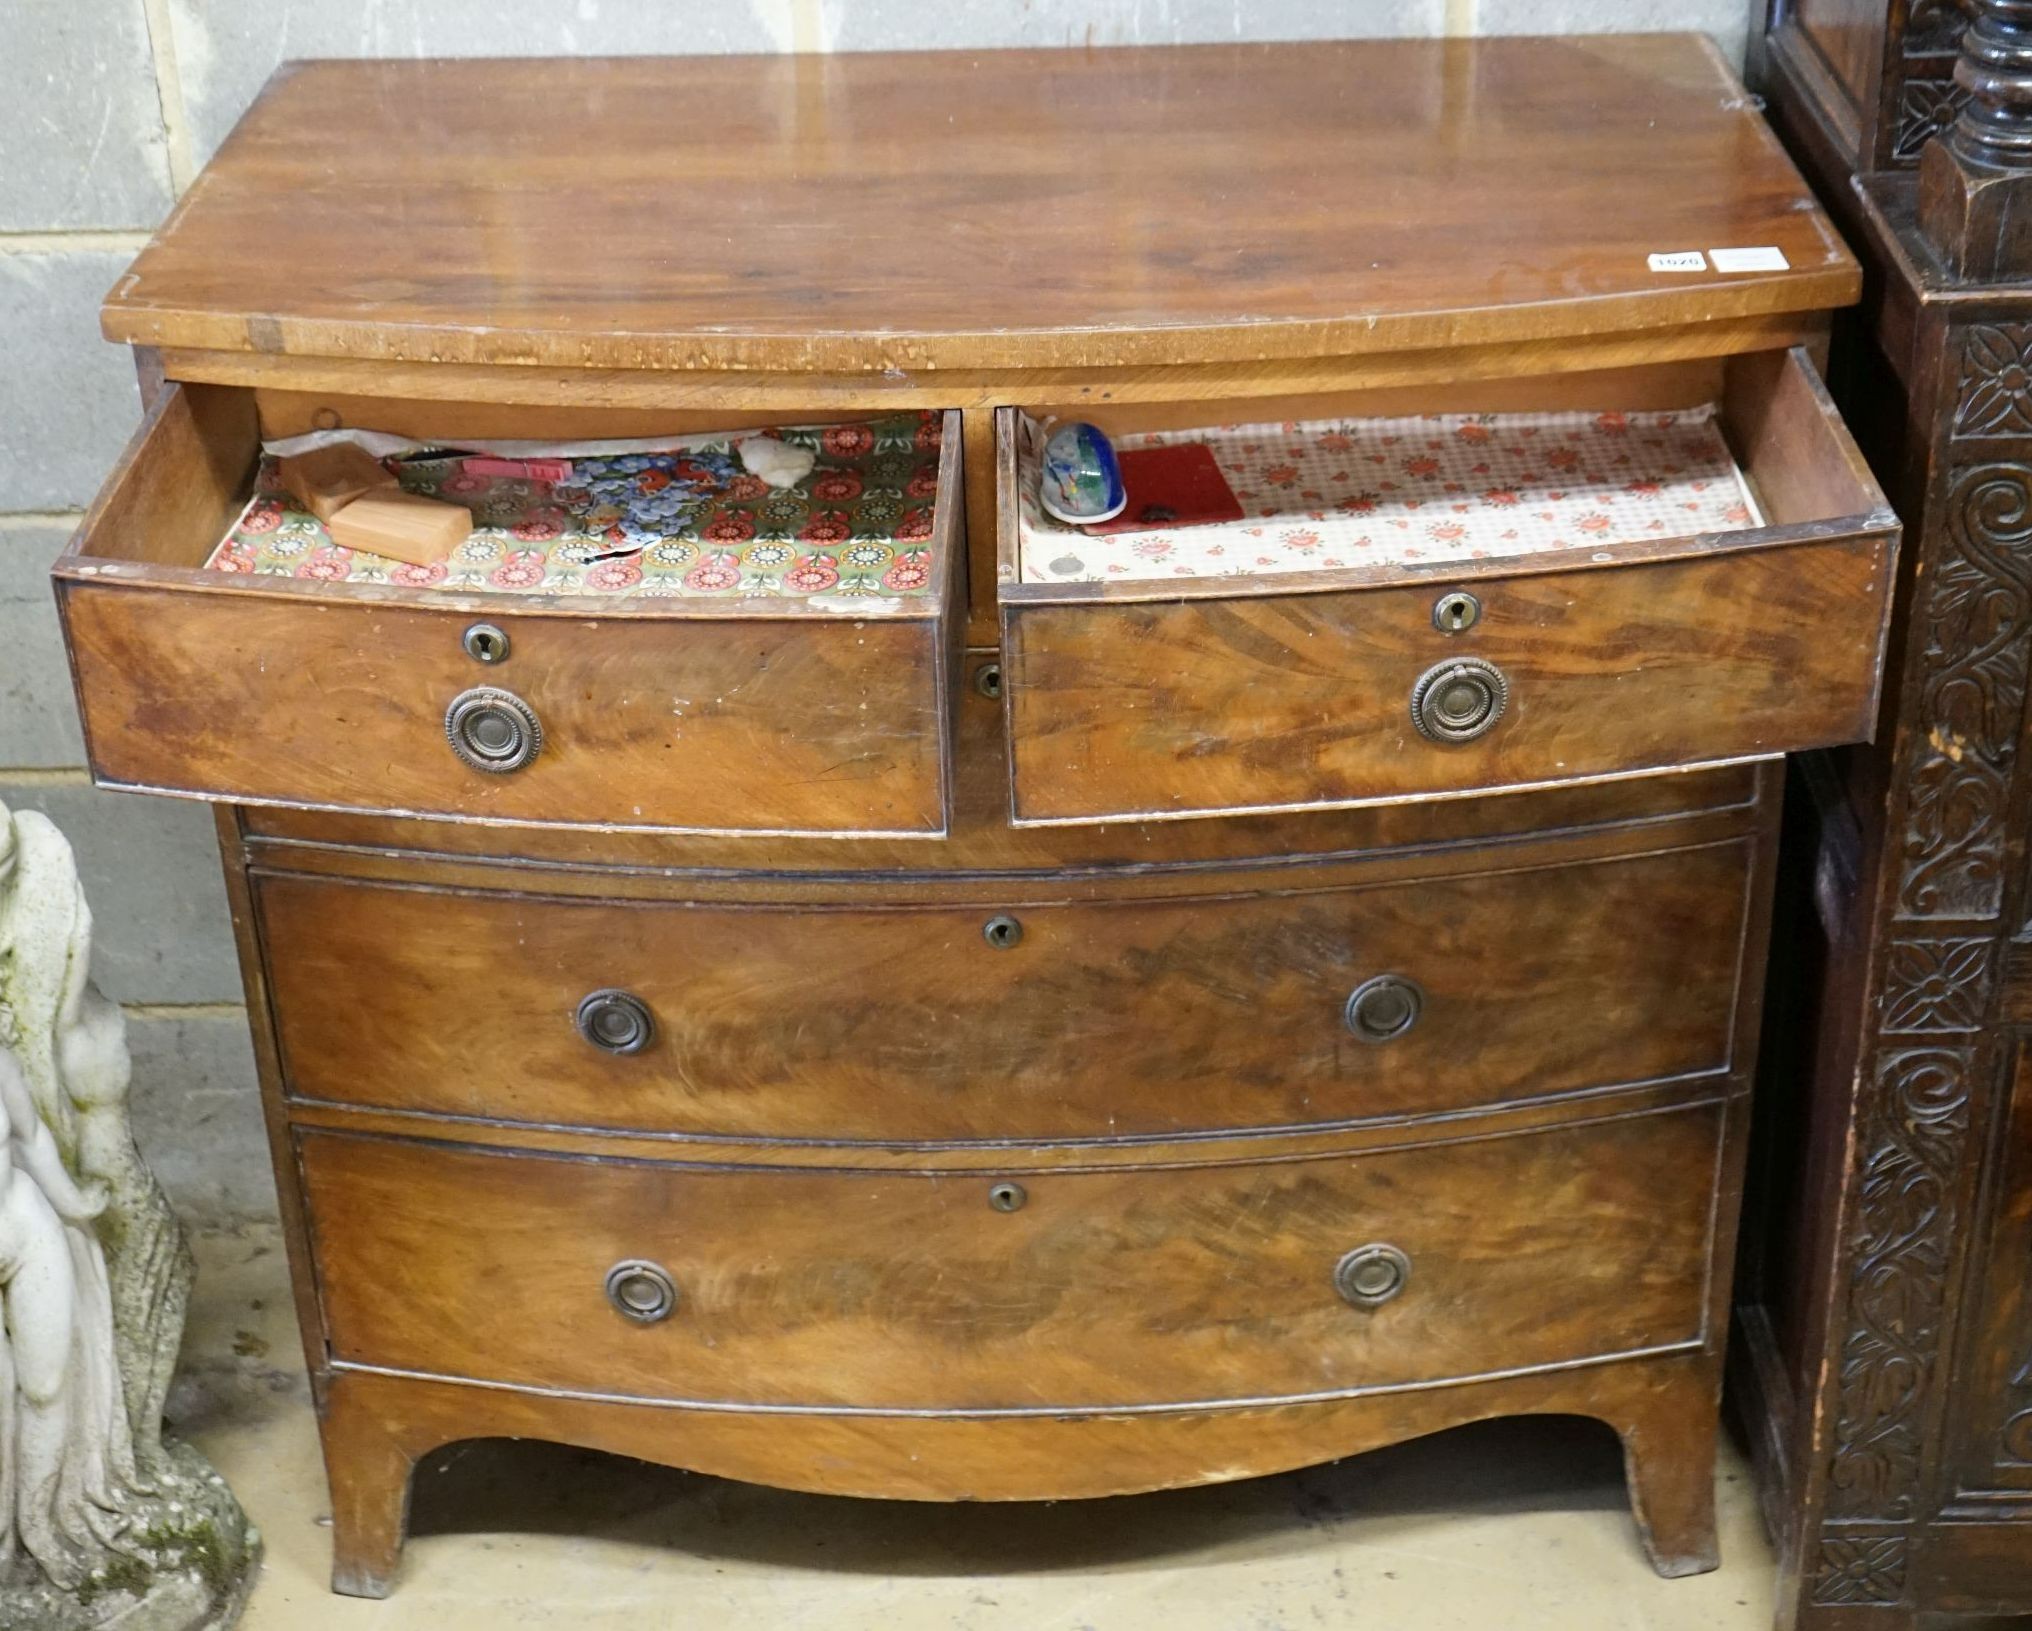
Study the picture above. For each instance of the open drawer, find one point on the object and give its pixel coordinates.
(1395, 675)
(750, 712)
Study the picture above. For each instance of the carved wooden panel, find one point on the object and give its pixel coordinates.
(1996, 381)
(1902, 1245)
(1969, 692)
(1937, 968)
(1881, 74)
(1936, 985)
(1926, 99)
(1992, 1431)
(1909, 1490)
(1861, 1570)
(1926, 107)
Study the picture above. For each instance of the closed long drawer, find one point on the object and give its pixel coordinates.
(1040, 1022)
(1029, 1290)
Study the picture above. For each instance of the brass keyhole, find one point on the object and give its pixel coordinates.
(1007, 1197)
(1456, 613)
(988, 680)
(485, 643)
(1002, 931)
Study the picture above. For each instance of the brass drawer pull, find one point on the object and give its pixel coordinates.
(615, 1021)
(1383, 1009)
(641, 1291)
(1369, 1276)
(1459, 700)
(493, 730)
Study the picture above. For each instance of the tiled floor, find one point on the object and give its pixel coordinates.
(1514, 1525)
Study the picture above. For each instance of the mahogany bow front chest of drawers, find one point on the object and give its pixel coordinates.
(880, 992)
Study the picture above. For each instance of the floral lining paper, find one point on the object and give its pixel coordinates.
(690, 522)
(1446, 487)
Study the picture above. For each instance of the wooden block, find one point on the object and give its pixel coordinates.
(327, 479)
(402, 526)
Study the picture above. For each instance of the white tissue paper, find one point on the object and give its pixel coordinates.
(777, 463)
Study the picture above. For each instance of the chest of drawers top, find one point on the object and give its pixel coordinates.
(974, 213)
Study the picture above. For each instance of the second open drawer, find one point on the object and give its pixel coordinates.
(1395, 677)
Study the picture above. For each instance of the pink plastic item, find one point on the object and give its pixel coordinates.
(551, 470)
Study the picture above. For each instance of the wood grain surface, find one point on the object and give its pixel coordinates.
(737, 715)
(376, 1426)
(1104, 1289)
(1119, 710)
(980, 842)
(1104, 1021)
(938, 210)
(1205, 696)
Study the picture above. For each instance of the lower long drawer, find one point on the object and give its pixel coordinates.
(1020, 1291)
(1031, 1023)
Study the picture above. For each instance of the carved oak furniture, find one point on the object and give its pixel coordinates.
(1049, 1033)
(1886, 1366)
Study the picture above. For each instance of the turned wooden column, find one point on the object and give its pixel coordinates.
(1975, 180)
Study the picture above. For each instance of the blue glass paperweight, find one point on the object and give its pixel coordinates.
(1080, 482)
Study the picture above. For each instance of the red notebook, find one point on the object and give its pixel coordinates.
(1179, 486)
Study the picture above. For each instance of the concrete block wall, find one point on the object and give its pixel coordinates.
(107, 110)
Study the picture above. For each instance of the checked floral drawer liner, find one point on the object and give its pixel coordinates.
(1447, 487)
(688, 522)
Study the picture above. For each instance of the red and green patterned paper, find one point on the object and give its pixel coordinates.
(687, 522)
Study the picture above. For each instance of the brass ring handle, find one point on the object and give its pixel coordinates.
(1383, 1009)
(641, 1291)
(615, 1021)
(1458, 701)
(493, 730)
(1369, 1276)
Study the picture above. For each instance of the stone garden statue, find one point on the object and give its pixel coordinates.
(102, 1521)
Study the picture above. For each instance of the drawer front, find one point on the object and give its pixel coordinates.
(1291, 701)
(345, 708)
(1200, 696)
(919, 1291)
(1065, 1022)
(668, 715)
